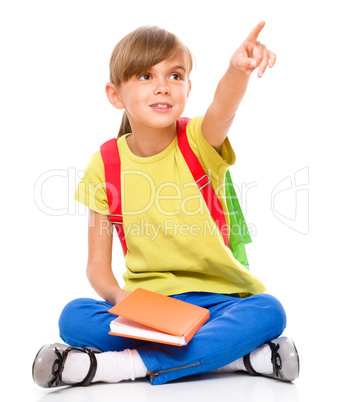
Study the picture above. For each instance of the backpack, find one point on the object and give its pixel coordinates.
(238, 237)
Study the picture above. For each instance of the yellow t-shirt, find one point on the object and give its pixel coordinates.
(173, 244)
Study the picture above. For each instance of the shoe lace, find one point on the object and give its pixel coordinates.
(275, 359)
(58, 366)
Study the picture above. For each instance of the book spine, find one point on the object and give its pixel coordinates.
(189, 335)
(147, 339)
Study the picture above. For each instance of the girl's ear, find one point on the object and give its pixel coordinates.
(189, 88)
(113, 96)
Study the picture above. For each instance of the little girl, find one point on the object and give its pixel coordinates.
(170, 245)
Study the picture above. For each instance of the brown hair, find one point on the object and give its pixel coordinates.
(137, 52)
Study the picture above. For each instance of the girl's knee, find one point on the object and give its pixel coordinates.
(77, 312)
(72, 307)
(69, 313)
(274, 310)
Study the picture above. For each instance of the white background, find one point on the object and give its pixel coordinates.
(54, 115)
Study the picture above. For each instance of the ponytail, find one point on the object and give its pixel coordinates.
(125, 125)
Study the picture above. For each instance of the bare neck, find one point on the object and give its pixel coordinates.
(151, 141)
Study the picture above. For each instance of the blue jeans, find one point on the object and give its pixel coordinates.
(236, 327)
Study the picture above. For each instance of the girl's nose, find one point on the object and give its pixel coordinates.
(162, 89)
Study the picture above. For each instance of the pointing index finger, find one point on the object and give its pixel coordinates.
(253, 35)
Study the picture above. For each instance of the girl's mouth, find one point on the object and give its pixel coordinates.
(161, 106)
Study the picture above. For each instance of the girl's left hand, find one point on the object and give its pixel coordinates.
(252, 54)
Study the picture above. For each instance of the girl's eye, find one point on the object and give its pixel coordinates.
(175, 76)
(145, 77)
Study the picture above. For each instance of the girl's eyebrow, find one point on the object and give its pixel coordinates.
(180, 67)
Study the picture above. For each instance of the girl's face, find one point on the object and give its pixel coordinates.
(157, 98)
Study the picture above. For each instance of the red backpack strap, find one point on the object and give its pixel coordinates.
(112, 167)
(202, 180)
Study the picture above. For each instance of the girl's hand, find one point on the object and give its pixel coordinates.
(252, 54)
(120, 294)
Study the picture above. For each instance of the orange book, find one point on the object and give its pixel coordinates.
(154, 317)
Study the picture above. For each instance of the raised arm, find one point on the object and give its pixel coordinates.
(99, 267)
(230, 90)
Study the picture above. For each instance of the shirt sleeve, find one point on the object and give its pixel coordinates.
(207, 155)
(91, 190)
